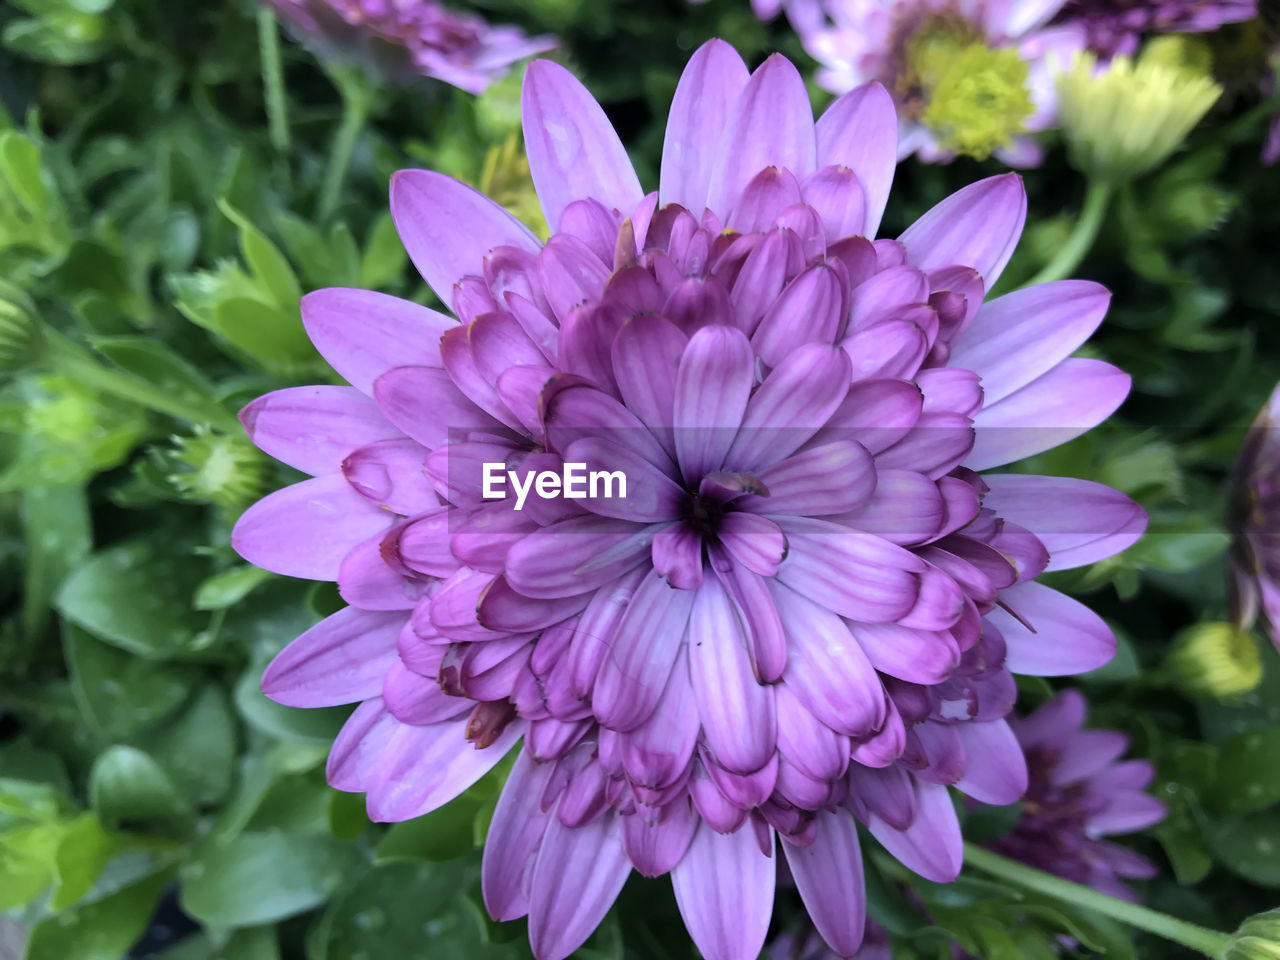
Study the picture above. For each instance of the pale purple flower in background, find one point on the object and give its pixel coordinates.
(1114, 27)
(402, 39)
(866, 40)
(1255, 524)
(806, 611)
(1080, 791)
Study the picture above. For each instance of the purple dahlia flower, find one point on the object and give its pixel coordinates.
(1114, 27)
(805, 612)
(900, 44)
(1255, 561)
(402, 39)
(1080, 791)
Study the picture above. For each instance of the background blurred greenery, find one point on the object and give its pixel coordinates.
(154, 241)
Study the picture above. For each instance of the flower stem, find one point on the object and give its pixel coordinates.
(1096, 200)
(76, 363)
(355, 111)
(1202, 939)
(273, 80)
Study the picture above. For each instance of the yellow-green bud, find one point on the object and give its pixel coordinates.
(1257, 939)
(218, 468)
(1214, 660)
(1126, 118)
(506, 179)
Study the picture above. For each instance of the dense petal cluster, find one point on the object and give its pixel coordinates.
(1255, 524)
(896, 42)
(1114, 27)
(402, 39)
(805, 611)
(1079, 792)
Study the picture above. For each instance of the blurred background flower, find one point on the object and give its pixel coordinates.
(401, 39)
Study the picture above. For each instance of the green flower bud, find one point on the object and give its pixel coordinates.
(19, 328)
(218, 468)
(1125, 119)
(1214, 660)
(1257, 939)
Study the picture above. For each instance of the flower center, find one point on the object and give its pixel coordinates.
(973, 97)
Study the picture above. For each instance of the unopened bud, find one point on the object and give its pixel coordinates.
(1214, 660)
(1257, 939)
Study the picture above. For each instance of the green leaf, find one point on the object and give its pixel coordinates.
(286, 723)
(347, 816)
(272, 334)
(268, 265)
(1249, 846)
(81, 856)
(119, 694)
(198, 749)
(257, 878)
(443, 834)
(384, 914)
(384, 259)
(127, 785)
(59, 536)
(229, 587)
(102, 930)
(155, 363)
(137, 596)
(1248, 772)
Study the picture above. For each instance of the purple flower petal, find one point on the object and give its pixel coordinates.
(422, 768)
(724, 888)
(418, 700)
(809, 310)
(313, 428)
(836, 195)
(634, 673)
(306, 530)
(917, 656)
(771, 126)
(996, 771)
(932, 846)
(425, 404)
(573, 150)
(827, 670)
(1018, 337)
(515, 834)
(391, 474)
(355, 751)
(575, 556)
(578, 875)
(977, 226)
(854, 574)
(342, 659)
(1075, 396)
(363, 334)
(738, 716)
(1085, 753)
(708, 90)
(860, 131)
(794, 402)
(1069, 637)
(448, 228)
(828, 874)
(655, 848)
(805, 742)
(1078, 521)
(646, 354)
(713, 384)
(366, 580)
